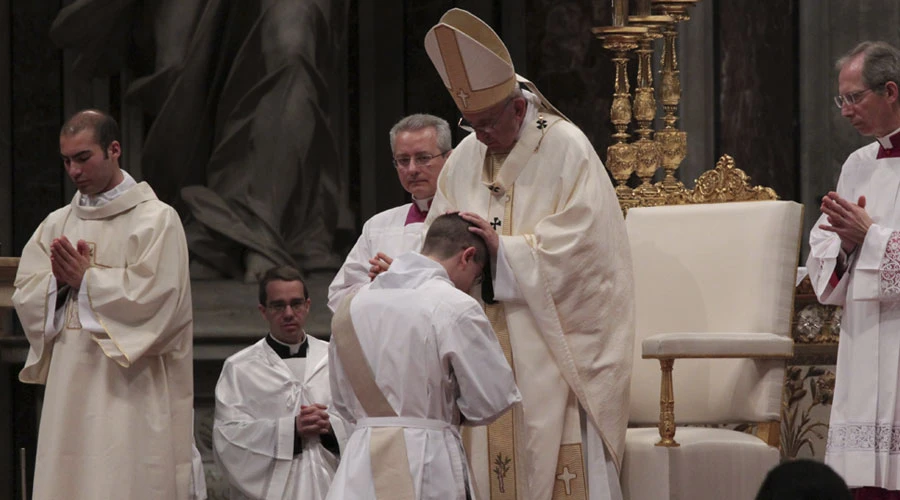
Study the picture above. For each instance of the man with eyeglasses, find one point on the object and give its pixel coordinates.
(560, 294)
(854, 262)
(274, 435)
(420, 145)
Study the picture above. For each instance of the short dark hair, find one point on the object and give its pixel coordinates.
(280, 273)
(449, 234)
(803, 480)
(104, 126)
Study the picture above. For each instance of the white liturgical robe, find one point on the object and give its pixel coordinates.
(117, 414)
(864, 429)
(258, 397)
(570, 320)
(386, 232)
(434, 356)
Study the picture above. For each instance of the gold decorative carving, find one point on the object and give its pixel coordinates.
(814, 323)
(621, 159)
(648, 158)
(644, 108)
(728, 183)
(666, 406)
(722, 184)
(620, 40)
(770, 432)
(673, 144)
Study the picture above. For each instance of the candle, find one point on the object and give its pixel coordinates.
(619, 12)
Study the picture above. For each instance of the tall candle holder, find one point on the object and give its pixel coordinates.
(621, 157)
(673, 142)
(648, 150)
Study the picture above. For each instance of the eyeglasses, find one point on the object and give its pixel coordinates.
(852, 98)
(421, 160)
(486, 129)
(280, 307)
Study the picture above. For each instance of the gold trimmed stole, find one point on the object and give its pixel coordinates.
(387, 445)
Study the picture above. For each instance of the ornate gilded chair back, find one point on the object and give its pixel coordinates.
(722, 184)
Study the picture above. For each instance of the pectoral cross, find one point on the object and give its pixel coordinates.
(567, 477)
(497, 223)
(464, 97)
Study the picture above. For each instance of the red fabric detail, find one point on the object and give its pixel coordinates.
(870, 493)
(894, 152)
(415, 215)
(888, 153)
(834, 280)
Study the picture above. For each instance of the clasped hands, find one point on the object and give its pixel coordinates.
(848, 220)
(313, 420)
(67, 263)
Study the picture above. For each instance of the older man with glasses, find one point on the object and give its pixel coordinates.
(420, 145)
(560, 296)
(854, 262)
(274, 434)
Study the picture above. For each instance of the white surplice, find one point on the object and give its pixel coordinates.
(568, 305)
(117, 360)
(864, 429)
(434, 356)
(385, 232)
(258, 397)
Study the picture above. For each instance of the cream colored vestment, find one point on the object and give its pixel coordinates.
(571, 331)
(117, 412)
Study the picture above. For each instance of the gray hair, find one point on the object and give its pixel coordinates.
(881, 63)
(414, 123)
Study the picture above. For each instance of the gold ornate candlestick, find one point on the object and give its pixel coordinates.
(673, 142)
(648, 150)
(621, 157)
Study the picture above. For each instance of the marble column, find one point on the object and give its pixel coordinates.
(36, 113)
(697, 110)
(8, 464)
(757, 84)
(569, 65)
(381, 94)
(425, 92)
(6, 179)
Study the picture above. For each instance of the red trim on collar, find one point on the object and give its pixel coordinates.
(415, 215)
(894, 152)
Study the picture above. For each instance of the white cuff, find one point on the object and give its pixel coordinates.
(55, 317)
(86, 315)
(506, 288)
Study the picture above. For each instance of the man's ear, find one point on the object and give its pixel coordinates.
(521, 106)
(262, 309)
(114, 149)
(891, 91)
(468, 254)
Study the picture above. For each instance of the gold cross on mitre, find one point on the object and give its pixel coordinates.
(463, 96)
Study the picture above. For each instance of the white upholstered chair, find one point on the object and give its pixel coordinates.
(711, 281)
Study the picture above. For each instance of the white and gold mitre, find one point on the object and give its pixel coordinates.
(472, 60)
